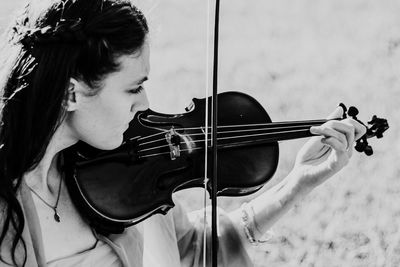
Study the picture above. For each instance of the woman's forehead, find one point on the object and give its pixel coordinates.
(133, 69)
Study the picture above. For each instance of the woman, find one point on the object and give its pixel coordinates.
(75, 71)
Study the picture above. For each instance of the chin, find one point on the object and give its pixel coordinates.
(109, 144)
(113, 145)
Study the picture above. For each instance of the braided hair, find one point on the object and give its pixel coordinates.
(51, 42)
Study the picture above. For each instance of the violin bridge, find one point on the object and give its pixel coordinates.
(173, 141)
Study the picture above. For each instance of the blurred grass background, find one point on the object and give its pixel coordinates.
(299, 59)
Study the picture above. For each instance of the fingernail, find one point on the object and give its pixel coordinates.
(313, 129)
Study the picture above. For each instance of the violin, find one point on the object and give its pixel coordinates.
(165, 153)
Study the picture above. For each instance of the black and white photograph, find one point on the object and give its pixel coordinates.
(199, 133)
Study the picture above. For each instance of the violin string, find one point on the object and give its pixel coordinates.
(225, 132)
(223, 138)
(207, 89)
(148, 136)
(220, 133)
(197, 148)
(238, 125)
(234, 137)
(288, 123)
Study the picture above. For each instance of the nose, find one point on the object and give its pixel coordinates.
(141, 102)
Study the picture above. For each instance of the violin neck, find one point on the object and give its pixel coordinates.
(239, 135)
(228, 136)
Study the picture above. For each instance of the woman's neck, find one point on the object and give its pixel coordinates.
(45, 176)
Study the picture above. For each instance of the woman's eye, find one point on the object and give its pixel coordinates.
(136, 90)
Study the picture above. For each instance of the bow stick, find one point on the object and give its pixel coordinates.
(211, 183)
(214, 116)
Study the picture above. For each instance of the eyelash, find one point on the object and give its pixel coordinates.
(136, 90)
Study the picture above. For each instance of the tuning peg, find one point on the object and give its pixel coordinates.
(360, 146)
(368, 150)
(373, 119)
(353, 112)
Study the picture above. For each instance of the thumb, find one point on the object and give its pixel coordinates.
(337, 113)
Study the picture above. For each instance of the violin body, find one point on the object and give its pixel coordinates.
(162, 154)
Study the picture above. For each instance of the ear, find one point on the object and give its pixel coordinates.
(74, 87)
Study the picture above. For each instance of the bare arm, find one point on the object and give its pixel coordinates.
(318, 160)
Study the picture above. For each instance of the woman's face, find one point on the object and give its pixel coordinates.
(102, 119)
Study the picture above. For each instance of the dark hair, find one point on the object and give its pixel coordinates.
(54, 41)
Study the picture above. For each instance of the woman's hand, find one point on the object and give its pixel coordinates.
(328, 152)
(320, 158)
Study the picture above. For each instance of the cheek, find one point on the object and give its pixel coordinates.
(98, 126)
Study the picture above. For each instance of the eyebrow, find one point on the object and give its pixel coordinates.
(142, 80)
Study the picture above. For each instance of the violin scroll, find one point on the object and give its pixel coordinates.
(377, 127)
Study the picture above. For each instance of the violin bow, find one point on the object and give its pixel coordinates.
(214, 113)
(214, 116)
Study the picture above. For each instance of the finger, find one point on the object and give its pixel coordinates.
(333, 129)
(346, 127)
(359, 128)
(350, 153)
(334, 143)
(336, 114)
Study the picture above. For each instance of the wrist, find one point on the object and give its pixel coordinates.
(270, 206)
(299, 183)
(304, 181)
